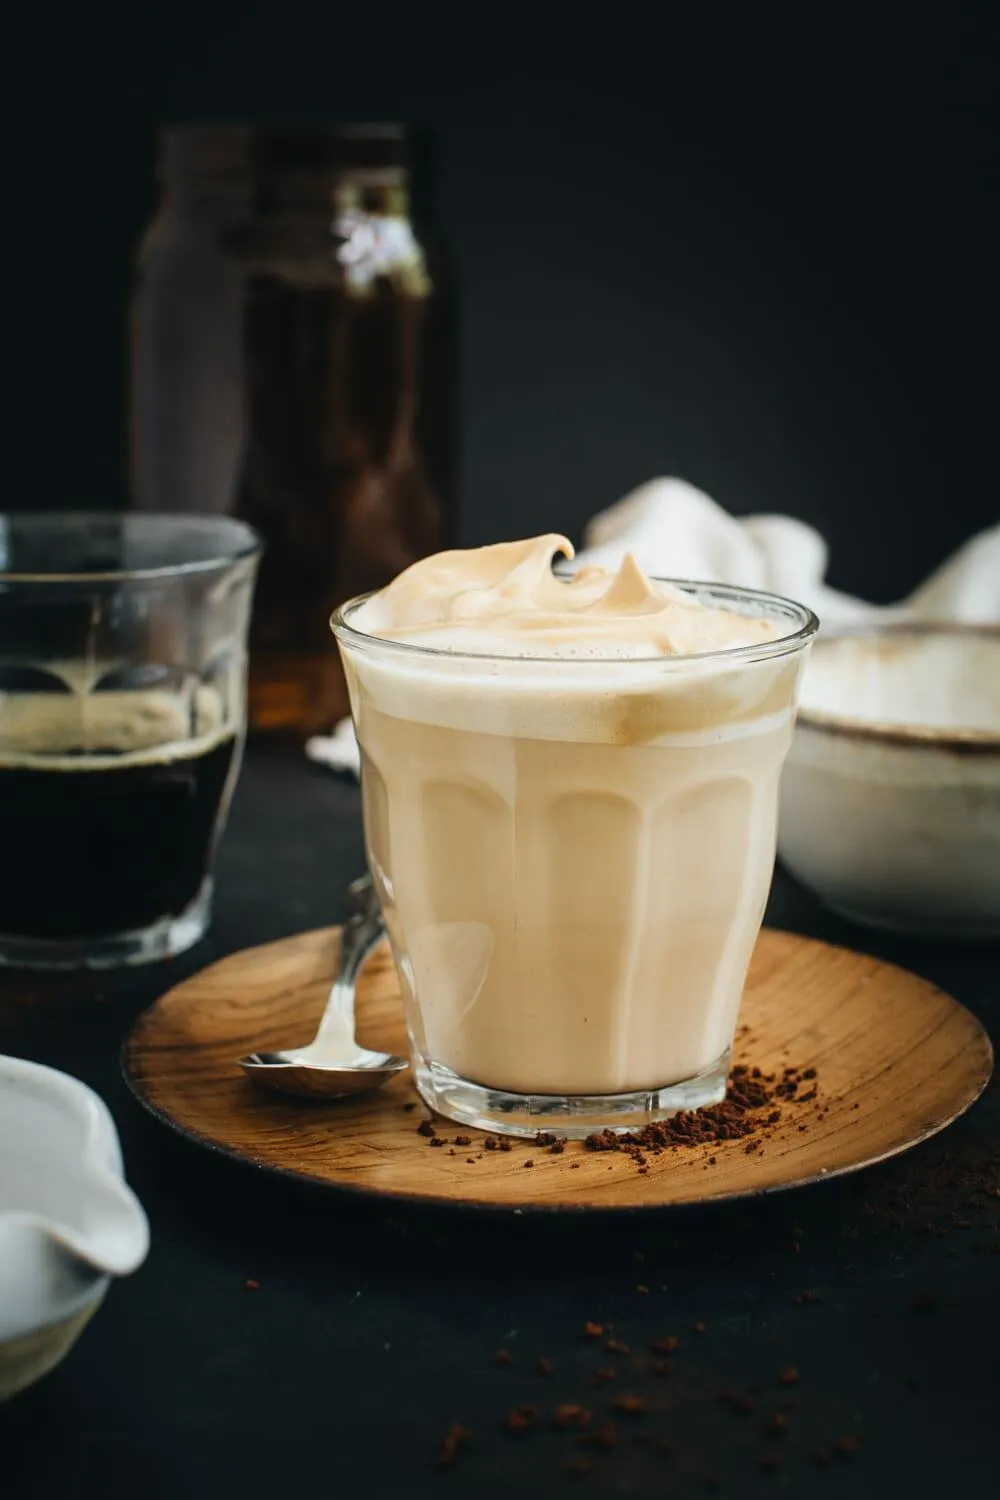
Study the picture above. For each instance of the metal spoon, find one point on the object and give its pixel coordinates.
(333, 1065)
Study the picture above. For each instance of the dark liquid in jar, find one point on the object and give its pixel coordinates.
(345, 474)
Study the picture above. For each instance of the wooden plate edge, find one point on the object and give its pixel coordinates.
(133, 1079)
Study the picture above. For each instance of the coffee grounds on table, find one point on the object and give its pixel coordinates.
(522, 1419)
(454, 1439)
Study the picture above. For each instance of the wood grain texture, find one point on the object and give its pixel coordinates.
(897, 1060)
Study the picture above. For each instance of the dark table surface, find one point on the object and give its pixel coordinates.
(373, 1330)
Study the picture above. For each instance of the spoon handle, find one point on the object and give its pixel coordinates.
(362, 931)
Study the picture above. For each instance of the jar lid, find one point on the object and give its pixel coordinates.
(377, 149)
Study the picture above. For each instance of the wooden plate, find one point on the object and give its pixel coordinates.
(897, 1061)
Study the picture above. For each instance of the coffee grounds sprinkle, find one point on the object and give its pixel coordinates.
(570, 1414)
(629, 1405)
(454, 1439)
(750, 1091)
(599, 1432)
(522, 1418)
(747, 1113)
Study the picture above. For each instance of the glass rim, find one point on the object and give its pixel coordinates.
(250, 544)
(782, 645)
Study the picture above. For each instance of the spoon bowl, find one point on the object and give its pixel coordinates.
(291, 1073)
(333, 1066)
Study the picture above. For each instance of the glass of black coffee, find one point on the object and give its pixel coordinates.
(123, 667)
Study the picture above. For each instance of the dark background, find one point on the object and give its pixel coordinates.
(760, 254)
(750, 248)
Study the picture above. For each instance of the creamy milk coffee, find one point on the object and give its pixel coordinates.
(570, 804)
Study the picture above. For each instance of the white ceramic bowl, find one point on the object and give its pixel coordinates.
(890, 800)
(68, 1222)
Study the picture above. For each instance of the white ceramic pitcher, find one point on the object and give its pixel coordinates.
(68, 1221)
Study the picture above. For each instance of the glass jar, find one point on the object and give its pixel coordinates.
(293, 366)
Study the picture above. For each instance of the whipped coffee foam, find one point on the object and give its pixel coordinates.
(510, 648)
(505, 600)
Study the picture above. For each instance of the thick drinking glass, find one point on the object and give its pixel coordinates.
(123, 666)
(573, 858)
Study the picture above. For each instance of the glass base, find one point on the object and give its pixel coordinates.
(566, 1115)
(164, 939)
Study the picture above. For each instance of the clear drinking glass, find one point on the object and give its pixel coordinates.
(573, 859)
(123, 670)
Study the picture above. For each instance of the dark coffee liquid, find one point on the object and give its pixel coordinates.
(100, 844)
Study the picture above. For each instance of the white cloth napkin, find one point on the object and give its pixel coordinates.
(338, 750)
(676, 531)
